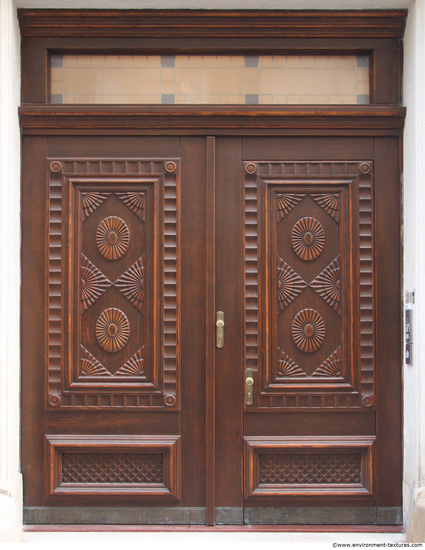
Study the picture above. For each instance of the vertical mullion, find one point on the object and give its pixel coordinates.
(210, 331)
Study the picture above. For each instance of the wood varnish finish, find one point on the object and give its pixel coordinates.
(216, 186)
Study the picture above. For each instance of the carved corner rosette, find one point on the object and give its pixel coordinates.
(74, 372)
(55, 166)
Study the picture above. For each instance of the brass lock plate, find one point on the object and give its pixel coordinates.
(219, 329)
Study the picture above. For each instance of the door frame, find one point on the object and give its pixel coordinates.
(378, 33)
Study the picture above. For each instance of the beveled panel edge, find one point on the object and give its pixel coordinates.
(212, 23)
(169, 445)
(254, 445)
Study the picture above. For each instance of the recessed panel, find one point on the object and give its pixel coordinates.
(114, 246)
(305, 466)
(314, 284)
(90, 467)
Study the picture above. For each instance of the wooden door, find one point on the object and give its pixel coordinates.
(317, 284)
(114, 330)
(130, 246)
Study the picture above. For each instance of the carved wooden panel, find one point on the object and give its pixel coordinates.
(315, 284)
(338, 466)
(113, 284)
(144, 468)
(310, 468)
(97, 466)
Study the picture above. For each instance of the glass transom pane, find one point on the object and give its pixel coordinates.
(197, 79)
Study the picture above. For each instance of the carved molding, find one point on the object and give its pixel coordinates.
(242, 24)
(327, 284)
(308, 330)
(112, 238)
(93, 283)
(289, 283)
(132, 284)
(308, 239)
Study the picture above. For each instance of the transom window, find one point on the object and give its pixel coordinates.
(208, 79)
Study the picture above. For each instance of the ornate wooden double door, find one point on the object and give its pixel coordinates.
(131, 414)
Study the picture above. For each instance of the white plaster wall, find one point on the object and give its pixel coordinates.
(414, 203)
(410, 265)
(414, 249)
(10, 478)
(414, 246)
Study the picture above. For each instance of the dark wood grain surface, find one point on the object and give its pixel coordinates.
(216, 202)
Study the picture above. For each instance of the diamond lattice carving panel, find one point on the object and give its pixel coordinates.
(307, 468)
(112, 468)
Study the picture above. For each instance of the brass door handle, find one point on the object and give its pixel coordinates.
(219, 330)
(249, 381)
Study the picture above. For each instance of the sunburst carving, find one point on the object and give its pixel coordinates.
(287, 367)
(329, 203)
(286, 203)
(308, 330)
(112, 330)
(289, 283)
(132, 284)
(90, 366)
(91, 201)
(308, 239)
(93, 283)
(332, 365)
(112, 238)
(135, 202)
(327, 284)
(134, 366)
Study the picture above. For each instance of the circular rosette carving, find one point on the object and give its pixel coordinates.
(308, 239)
(112, 330)
(250, 168)
(308, 330)
(170, 400)
(170, 166)
(55, 166)
(112, 238)
(365, 168)
(54, 400)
